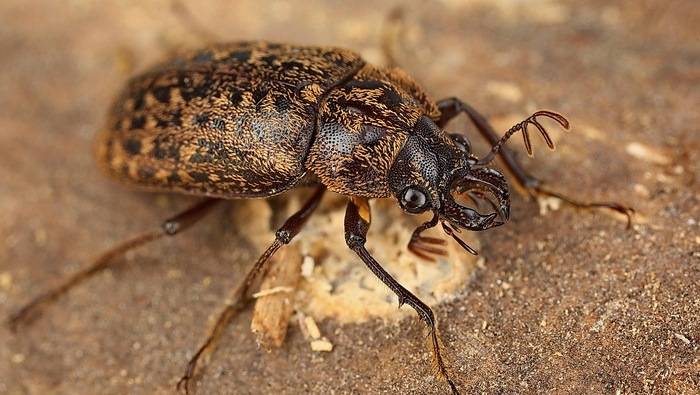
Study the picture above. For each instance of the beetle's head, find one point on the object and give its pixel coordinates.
(437, 172)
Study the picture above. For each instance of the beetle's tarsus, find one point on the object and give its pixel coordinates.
(184, 384)
(228, 312)
(616, 207)
(439, 365)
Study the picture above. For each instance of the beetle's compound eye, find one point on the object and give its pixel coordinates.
(461, 142)
(414, 200)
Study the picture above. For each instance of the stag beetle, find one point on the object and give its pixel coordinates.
(255, 119)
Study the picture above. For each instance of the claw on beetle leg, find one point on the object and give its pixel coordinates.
(628, 212)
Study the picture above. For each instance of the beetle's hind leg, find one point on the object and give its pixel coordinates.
(357, 221)
(240, 298)
(170, 227)
(451, 107)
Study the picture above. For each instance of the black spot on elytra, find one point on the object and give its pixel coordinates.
(241, 56)
(172, 118)
(132, 146)
(138, 100)
(235, 97)
(259, 94)
(162, 93)
(176, 117)
(203, 89)
(282, 104)
(137, 122)
(162, 123)
(201, 119)
(190, 91)
(162, 150)
(184, 81)
(218, 123)
(198, 158)
(199, 176)
(390, 98)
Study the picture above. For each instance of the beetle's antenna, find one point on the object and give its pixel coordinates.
(462, 243)
(392, 31)
(190, 22)
(522, 126)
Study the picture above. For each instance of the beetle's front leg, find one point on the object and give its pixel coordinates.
(423, 246)
(357, 221)
(452, 107)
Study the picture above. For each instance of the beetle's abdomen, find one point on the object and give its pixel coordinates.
(229, 121)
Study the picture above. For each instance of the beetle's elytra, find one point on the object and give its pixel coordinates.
(252, 120)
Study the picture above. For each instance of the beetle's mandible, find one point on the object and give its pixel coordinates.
(255, 119)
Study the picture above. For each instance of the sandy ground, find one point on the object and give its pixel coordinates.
(569, 302)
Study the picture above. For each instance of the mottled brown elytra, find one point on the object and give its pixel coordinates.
(255, 119)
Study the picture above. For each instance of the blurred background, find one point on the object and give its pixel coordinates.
(567, 302)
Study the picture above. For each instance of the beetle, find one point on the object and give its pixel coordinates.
(256, 119)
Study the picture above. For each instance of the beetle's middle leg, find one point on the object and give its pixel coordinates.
(357, 221)
(239, 298)
(451, 107)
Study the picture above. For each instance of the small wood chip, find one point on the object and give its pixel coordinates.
(548, 203)
(307, 267)
(312, 328)
(682, 338)
(272, 291)
(321, 345)
(646, 153)
(5, 280)
(273, 311)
